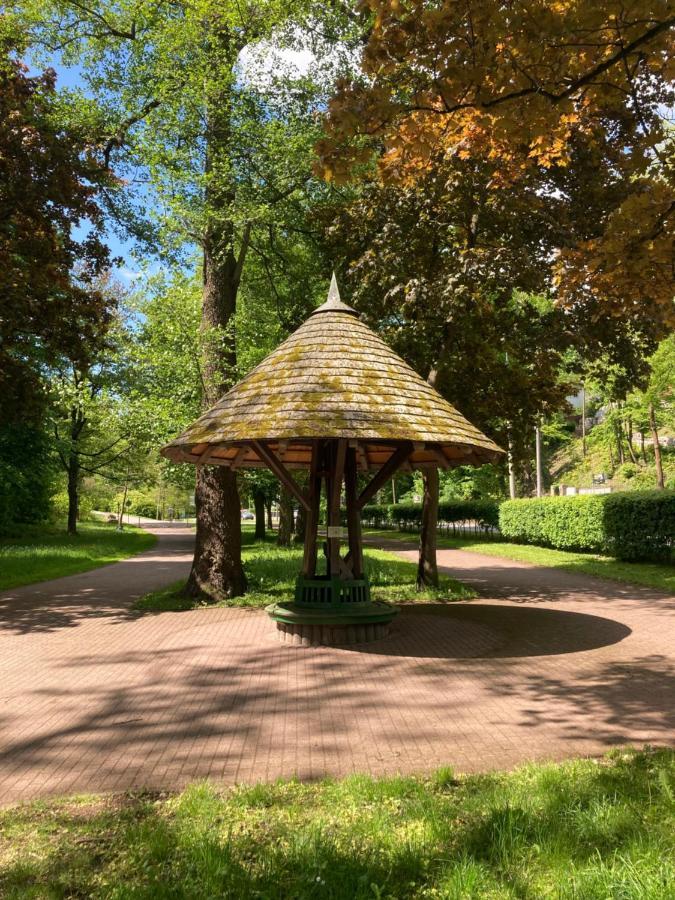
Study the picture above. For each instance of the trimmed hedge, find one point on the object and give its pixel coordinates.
(566, 523)
(408, 516)
(375, 514)
(638, 525)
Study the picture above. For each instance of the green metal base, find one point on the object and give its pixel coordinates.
(330, 611)
(325, 592)
(331, 635)
(373, 612)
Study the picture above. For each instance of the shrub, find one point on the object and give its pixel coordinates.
(408, 516)
(484, 512)
(639, 525)
(26, 475)
(627, 471)
(149, 510)
(376, 515)
(566, 523)
(59, 506)
(140, 502)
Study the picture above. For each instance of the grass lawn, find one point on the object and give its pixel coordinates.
(272, 570)
(45, 552)
(653, 575)
(586, 829)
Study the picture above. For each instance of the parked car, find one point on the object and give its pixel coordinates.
(247, 514)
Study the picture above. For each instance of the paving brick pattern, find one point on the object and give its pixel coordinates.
(545, 665)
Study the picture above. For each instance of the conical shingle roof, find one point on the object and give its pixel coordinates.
(332, 378)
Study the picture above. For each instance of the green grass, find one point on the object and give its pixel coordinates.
(583, 830)
(38, 554)
(272, 570)
(661, 577)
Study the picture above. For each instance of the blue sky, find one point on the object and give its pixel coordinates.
(130, 269)
(256, 63)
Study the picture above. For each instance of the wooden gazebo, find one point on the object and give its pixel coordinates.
(333, 398)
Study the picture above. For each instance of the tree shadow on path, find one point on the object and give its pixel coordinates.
(494, 630)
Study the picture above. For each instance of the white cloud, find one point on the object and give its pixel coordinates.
(295, 55)
(259, 63)
(130, 275)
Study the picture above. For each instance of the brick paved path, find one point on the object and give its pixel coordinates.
(545, 665)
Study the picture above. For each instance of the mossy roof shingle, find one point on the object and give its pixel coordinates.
(332, 378)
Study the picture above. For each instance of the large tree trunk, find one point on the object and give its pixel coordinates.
(538, 462)
(660, 482)
(511, 468)
(217, 570)
(618, 434)
(629, 440)
(583, 420)
(120, 521)
(300, 524)
(73, 491)
(427, 568)
(259, 507)
(72, 464)
(285, 518)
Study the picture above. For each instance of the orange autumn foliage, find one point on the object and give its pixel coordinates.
(520, 85)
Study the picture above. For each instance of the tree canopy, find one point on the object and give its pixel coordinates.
(525, 86)
(493, 182)
(51, 245)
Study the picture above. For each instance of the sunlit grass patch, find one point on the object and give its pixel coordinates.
(271, 572)
(38, 554)
(656, 575)
(590, 829)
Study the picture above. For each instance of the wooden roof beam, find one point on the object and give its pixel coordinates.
(203, 459)
(361, 456)
(395, 461)
(239, 458)
(280, 470)
(441, 459)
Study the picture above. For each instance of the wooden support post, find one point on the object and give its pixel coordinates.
(336, 469)
(362, 457)
(312, 522)
(355, 555)
(442, 460)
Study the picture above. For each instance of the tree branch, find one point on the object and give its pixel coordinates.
(93, 469)
(58, 449)
(105, 449)
(245, 241)
(622, 53)
(117, 140)
(110, 30)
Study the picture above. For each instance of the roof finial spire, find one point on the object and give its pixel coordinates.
(333, 290)
(333, 302)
